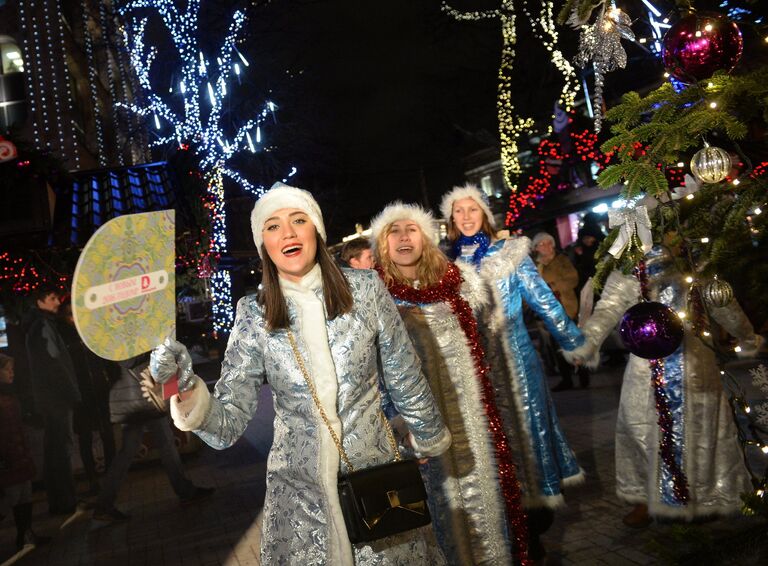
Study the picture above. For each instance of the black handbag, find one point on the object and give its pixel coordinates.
(379, 501)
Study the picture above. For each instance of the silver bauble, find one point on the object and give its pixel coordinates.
(717, 293)
(711, 164)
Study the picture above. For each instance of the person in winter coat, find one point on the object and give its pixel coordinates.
(474, 496)
(547, 463)
(129, 408)
(92, 413)
(706, 445)
(558, 272)
(17, 469)
(55, 390)
(349, 336)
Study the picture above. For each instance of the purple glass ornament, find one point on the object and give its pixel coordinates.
(651, 330)
(700, 44)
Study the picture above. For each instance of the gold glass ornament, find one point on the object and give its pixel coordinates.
(711, 164)
(717, 293)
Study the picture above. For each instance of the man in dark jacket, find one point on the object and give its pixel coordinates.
(54, 387)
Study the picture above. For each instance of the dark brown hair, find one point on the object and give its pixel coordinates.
(354, 248)
(454, 233)
(43, 291)
(338, 297)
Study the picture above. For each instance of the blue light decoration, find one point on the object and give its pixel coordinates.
(202, 90)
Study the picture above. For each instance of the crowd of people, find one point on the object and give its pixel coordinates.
(76, 393)
(403, 338)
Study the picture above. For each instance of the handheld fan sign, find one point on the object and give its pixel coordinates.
(123, 290)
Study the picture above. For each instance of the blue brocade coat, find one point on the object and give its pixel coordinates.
(546, 461)
(302, 522)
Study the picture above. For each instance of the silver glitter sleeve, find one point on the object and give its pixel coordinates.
(235, 398)
(405, 384)
(619, 293)
(733, 319)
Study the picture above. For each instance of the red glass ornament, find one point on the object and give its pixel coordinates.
(700, 44)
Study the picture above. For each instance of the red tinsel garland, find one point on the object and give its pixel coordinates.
(665, 421)
(447, 291)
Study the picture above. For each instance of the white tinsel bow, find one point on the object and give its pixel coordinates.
(632, 222)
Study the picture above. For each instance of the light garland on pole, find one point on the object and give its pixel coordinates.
(202, 89)
(512, 126)
(105, 22)
(45, 69)
(93, 80)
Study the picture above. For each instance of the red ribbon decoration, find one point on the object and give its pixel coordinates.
(447, 291)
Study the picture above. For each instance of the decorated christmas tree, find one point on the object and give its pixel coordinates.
(709, 119)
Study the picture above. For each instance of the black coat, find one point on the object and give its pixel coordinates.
(126, 402)
(51, 370)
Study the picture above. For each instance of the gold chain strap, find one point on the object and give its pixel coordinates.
(313, 391)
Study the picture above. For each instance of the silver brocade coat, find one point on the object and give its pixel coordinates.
(706, 440)
(465, 499)
(546, 461)
(296, 507)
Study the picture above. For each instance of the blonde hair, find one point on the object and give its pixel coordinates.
(431, 268)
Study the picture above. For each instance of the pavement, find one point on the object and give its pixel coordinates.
(224, 529)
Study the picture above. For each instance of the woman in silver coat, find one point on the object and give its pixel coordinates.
(346, 327)
(706, 443)
(474, 496)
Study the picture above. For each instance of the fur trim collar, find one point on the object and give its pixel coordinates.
(506, 260)
(466, 191)
(472, 287)
(402, 211)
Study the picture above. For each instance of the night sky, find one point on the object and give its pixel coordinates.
(377, 103)
(383, 100)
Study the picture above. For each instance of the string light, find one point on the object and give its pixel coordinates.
(512, 126)
(585, 149)
(201, 77)
(49, 97)
(107, 29)
(93, 85)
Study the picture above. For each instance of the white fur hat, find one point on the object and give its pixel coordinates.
(466, 191)
(400, 211)
(284, 196)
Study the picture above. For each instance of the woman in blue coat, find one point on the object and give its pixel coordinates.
(547, 462)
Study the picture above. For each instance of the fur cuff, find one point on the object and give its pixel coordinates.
(577, 479)
(191, 413)
(692, 511)
(434, 447)
(588, 354)
(543, 501)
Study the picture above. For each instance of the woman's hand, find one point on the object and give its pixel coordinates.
(168, 359)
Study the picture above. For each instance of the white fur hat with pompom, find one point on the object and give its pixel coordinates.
(402, 211)
(466, 191)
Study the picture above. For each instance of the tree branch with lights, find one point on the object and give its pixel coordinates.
(512, 125)
(190, 115)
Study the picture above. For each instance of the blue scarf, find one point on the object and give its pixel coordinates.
(481, 239)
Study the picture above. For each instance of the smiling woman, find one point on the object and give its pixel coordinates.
(474, 495)
(345, 328)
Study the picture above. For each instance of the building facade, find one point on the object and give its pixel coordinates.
(62, 79)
